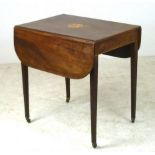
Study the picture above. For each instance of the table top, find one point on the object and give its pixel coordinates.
(66, 45)
(79, 27)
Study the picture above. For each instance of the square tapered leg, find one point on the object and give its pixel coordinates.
(67, 81)
(93, 100)
(26, 91)
(134, 57)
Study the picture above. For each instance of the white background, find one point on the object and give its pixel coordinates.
(13, 12)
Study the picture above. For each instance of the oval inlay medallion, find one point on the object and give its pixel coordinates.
(75, 25)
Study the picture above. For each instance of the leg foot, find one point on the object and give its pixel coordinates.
(132, 120)
(94, 145)
(67, 99)
(28, 120)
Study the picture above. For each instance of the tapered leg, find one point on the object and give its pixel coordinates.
(93, 100)
(134, 57)
(67, 80)
(26, 91)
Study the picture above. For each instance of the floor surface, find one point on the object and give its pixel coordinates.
(60, 127)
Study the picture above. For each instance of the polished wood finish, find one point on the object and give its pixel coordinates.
(118, 40)
(93, 100)
(82, 28)
(69, 46)
(52, 53)
(26, 91)
(37, 44)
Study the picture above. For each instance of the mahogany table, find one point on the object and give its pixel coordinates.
(69, 46)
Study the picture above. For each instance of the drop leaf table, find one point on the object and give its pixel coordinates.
(69, 46)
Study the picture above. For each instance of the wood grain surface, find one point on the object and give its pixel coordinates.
(52, 53)
(66, 45)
